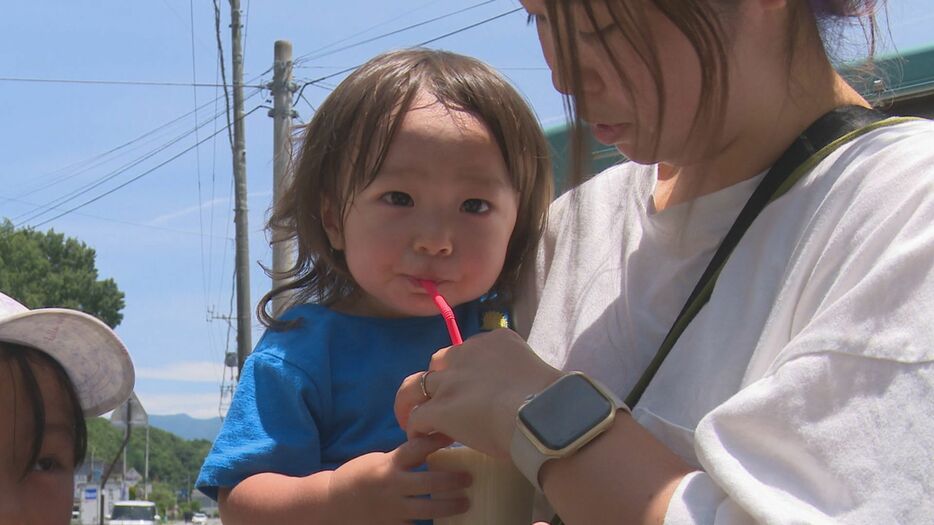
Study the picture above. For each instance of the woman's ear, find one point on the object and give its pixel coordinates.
(331, 225)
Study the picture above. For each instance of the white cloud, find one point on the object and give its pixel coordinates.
(203, 405)
(166, 217)
(187, 371)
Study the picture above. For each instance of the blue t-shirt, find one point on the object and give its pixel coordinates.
(315, 396)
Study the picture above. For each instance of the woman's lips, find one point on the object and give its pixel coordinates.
(609, 134)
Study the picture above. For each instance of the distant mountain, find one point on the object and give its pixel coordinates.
(187, 427)
(173, 460)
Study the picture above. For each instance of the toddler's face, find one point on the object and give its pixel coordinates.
(441, 208)
(44, 495)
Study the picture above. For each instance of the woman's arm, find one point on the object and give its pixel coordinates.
(623, 476)
(630, 477)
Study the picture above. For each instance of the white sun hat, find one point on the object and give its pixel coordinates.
(92, 355)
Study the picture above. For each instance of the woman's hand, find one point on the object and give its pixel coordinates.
(476, 389)
(381, 488)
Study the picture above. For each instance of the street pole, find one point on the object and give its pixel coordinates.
(283, 253)
(146, 468)
(106, 476)
(244, 315)
(123, 493)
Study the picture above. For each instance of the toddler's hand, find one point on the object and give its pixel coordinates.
(380, 487)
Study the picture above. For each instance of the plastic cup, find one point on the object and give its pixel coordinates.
(499, 495)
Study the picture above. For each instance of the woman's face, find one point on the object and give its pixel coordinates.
(627, 116)
(44, 495)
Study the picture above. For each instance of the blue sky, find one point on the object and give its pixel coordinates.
(166, 238)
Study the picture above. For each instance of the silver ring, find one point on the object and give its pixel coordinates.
(422, 382)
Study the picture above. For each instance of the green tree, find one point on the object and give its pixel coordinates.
(164, 498)
(172, 460)
(46, 269)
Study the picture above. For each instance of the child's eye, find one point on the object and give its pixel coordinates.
(46, 464)
(397, 198)
(475, 206)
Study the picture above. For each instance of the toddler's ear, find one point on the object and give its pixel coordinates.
(332, 226)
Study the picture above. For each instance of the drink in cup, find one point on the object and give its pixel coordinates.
(499, 495)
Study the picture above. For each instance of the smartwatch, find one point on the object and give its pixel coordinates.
(559, 420)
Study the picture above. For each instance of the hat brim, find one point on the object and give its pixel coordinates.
(94, 358)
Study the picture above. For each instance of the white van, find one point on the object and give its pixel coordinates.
(133, 513)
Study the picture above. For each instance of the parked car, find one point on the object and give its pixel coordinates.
(199, 518)
(133, 513)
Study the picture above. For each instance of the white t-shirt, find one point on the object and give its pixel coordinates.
(804, 390)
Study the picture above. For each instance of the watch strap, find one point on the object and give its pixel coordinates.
(527, 458)
(530, 458)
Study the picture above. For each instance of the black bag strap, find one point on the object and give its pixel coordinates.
(819, 140)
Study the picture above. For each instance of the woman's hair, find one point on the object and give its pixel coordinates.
(21, 362)
(705, 25)
(344, 145)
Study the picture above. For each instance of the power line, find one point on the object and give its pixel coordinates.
(89, 162)
(395, 32)
(461, 30)
(115, 82)
(194, 78)
(220, 58)
(136, 178)
(367, 30)
(35, 214)
(117, 172)
(128, 223)
(426, 42)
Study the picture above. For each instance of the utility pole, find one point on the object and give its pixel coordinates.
(283, 253)
(146, 468)
(242, 262)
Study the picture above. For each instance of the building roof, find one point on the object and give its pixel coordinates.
(901, 77)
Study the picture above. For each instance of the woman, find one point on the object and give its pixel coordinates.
(800, 392)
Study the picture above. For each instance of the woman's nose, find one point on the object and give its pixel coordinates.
(561, 85)
(589, 81)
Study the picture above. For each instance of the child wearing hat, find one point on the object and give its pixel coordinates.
(57, 366)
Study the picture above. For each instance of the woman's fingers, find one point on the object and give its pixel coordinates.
(473, 391)
(411, 392)
(408, 397)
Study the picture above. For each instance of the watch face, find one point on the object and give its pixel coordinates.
(565, 411)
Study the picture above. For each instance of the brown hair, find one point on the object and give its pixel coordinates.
(344, 145)
(21, 362)
(703, 24)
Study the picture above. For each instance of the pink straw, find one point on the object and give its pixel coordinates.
(446, 312)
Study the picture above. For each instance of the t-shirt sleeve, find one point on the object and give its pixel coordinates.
(829, 438)
(272, 426)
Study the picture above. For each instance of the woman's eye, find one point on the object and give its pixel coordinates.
(475, 206)
(46, 465)
(599, 31)
(397, 198)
